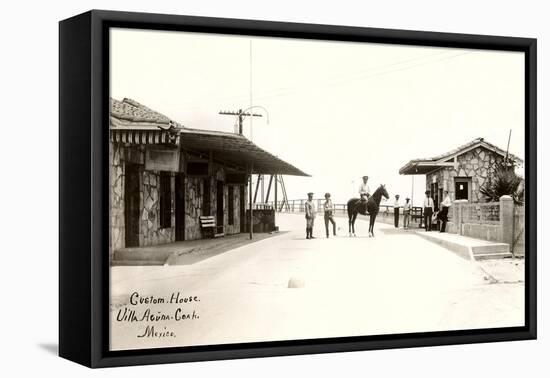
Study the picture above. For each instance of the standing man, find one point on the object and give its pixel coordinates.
(364, 190)
(406, 213)
(396, 211)
(444, 212)
(329, 209)
(310, 216)
(428, 210)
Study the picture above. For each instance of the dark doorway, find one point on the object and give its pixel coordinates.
(219, 205)
(180, 207)
(435, 195)
(230, 205)
(242, 204)
(206, 196)
(131, 205)
(461, 190)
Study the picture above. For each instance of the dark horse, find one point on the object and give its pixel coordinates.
(368, 207)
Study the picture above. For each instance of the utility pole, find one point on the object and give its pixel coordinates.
(240, 114)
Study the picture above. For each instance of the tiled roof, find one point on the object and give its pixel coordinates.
(130, 113)
(474, 143)
(422, 166)
(131, 122)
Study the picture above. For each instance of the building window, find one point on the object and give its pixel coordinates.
(197, 168)
(230, 205)
(165, 199)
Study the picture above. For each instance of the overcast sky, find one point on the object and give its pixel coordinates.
(337, 110)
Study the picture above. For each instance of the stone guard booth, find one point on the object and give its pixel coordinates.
(462, 171)
(164, 176)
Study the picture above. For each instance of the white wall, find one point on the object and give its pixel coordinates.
(29, 190)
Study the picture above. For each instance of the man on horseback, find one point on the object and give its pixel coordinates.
(369, 207)
(364, 190)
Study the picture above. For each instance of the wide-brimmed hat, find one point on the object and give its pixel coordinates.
(310, 194)
(397, 195)
(327, 194)
(408, 198)
(366, 177)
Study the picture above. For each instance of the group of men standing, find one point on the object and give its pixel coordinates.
(428, 212)
(364, 193)
(328, 208)
(442, 214)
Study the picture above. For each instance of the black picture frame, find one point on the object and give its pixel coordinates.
(83, 197)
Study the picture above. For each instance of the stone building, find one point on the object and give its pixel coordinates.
(462, 171)
(164, 176)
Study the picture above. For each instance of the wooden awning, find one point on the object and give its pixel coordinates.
(422, 167)
(134, 123)
(235, 149)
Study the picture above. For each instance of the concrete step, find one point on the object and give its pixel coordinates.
(468, 248)
(496, 248)
(141, 254)
(487, 256)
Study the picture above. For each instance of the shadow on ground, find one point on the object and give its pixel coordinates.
(51, 348)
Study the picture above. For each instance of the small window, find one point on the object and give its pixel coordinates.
(230, 205)
(165, 199)
(195, 168)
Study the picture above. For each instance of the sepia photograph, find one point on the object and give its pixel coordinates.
(269, 189)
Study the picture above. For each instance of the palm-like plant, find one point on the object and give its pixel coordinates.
(503, 181)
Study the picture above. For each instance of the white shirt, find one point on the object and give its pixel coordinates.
(428, 202)
(364, 189)
(407, 206)
(310, 208)
(446, 202)
(396, 203)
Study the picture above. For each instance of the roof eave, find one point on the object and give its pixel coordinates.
(416, 167)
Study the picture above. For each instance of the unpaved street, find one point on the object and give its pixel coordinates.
(396, 282)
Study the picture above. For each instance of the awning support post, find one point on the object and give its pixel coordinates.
(250, 200)
(276, 181)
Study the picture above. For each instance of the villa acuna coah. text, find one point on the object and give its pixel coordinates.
(131, 316)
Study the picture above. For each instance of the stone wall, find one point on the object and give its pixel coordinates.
(116, 198)
(477, 164)
(194, 187)
(150, 232)
(263, 220)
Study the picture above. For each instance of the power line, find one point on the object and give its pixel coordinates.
(240, 116)
(340, 79)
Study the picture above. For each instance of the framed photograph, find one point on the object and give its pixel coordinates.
(237, 188)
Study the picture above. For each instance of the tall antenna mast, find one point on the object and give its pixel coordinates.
(507, 148)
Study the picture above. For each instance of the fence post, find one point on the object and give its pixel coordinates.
(456, 216)
(460, 215)
(507, 220)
